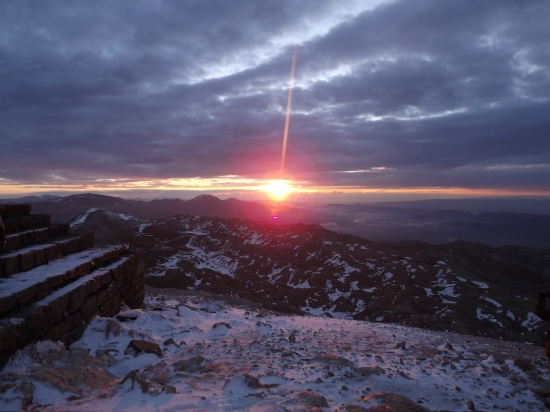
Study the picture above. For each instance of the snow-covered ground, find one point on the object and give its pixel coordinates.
(219, 357)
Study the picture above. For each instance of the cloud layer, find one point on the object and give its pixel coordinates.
(402, 94)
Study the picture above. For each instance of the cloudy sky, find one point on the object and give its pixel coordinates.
(439, 97)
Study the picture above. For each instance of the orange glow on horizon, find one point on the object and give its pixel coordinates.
(237, 185)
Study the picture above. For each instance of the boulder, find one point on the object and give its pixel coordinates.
(145, 346)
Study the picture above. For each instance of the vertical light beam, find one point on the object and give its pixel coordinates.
(288, 105)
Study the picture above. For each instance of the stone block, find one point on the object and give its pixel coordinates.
(101, 298)
(58, 306)
(60, 248)
(40, 235)
(29, 295)
(106, 309)
(95, 284)
(89, 287)
(25, 222)
(7, 303)
(71, 274)
(53, 282)
(12, 225)
(84, 269)
(12, 265)
(89, 239)
(16, 210)
(71, 246)
(77, 297)
(105, 278)
(40, 319)
(112, 290)
(9, 337)
(88, 308)
(28, 261)
(13, 242)
(40, 257)
(51, 253)
(71, 323)
(41, 220)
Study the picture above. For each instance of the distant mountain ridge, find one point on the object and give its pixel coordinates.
(375, 221)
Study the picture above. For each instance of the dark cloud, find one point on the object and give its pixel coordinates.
(413, 94)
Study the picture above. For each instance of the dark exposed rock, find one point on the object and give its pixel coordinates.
(227, 325)
(391, 402)
(145, 346)
(251, 381)
(190, 365)
(523, 364)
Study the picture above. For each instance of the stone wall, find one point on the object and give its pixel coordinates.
(52, 284)
(64, 315)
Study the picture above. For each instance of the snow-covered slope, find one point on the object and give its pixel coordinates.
(108, 227)
(212, 356)
(464, 287)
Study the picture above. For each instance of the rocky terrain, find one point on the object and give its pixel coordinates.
(463, 287)
(192, 351)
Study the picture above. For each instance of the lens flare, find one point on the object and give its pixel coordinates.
(288, 106)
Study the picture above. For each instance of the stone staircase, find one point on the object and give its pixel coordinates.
(52, 283)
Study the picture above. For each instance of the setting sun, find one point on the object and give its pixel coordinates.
(278, 189)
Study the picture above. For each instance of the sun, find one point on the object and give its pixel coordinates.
(278, 189)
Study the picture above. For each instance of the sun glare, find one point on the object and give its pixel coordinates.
(278, 189)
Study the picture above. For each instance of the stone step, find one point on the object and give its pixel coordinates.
(17, 224)
(36, 235)
(63, 315)
(25, 288)
(21, 260)
(8, 210)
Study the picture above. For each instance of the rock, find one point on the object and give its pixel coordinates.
(470, 405)
(170, 341)
(355, 408)
(449, 346)
(523, 364)
(332, 360)
(401, 345)
(189, 365)
(145, 346)
(135, 376)
(319, 380)
(128, 315)
(112, 327)
(369, 370)
(312, 399)
(391, 402)
(251, 381)
(345, 388)
(170, 389)
(227, 325)
(542, 392)
(499, 358)
(292, 338)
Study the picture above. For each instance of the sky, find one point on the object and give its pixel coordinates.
(141, 98)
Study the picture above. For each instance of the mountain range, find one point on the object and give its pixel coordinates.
(493, 222)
